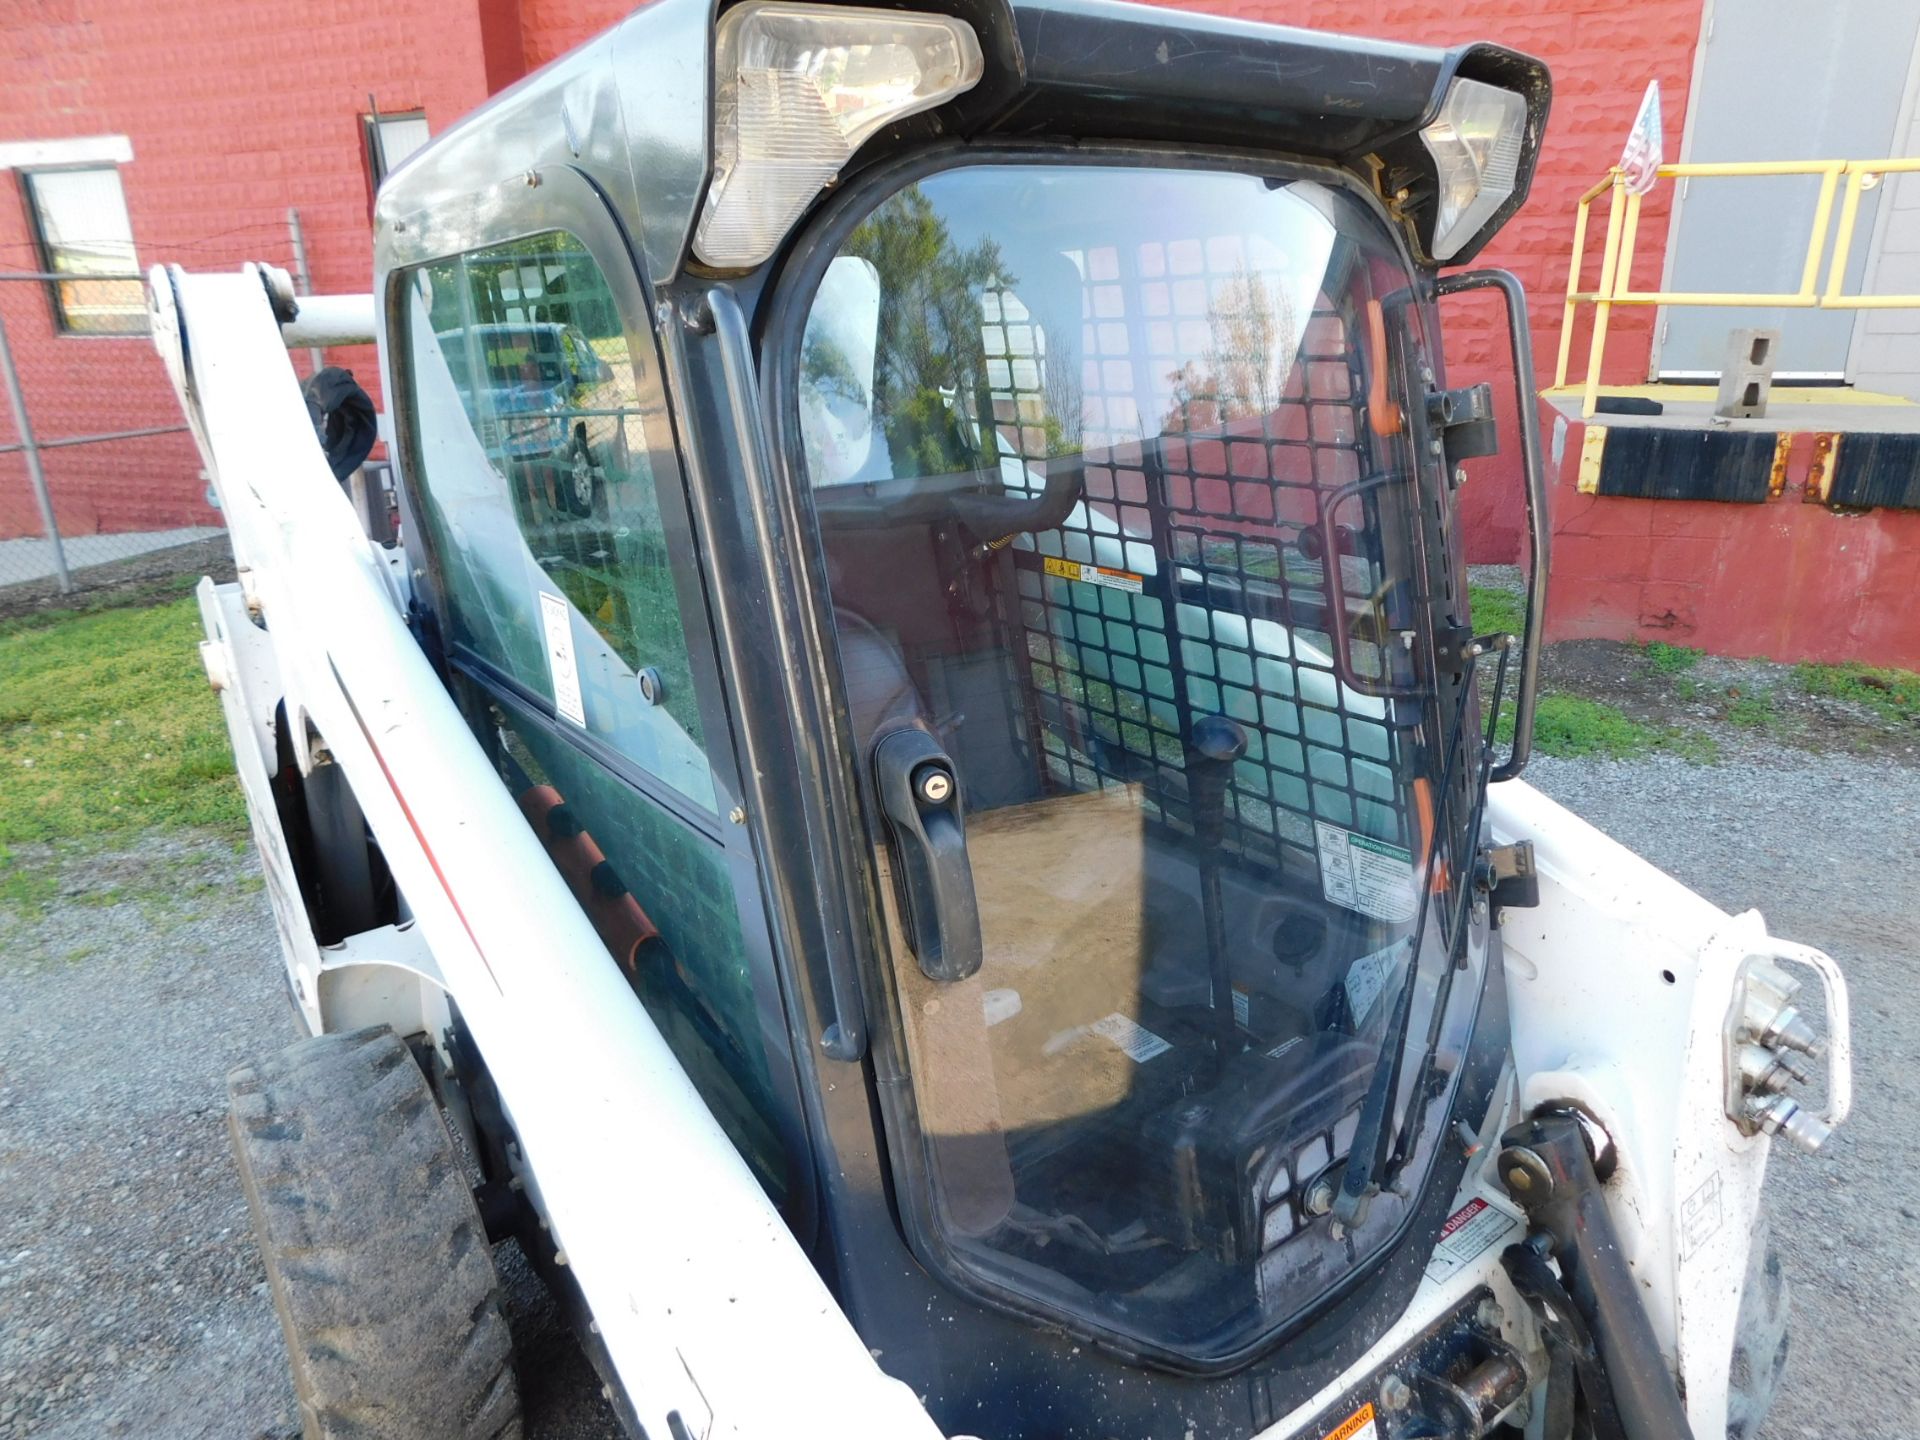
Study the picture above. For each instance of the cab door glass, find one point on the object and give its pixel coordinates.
(1114, 487)
(542, 434)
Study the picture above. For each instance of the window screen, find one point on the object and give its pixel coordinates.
(390, 140)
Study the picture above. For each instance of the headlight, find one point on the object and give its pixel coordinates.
(1475, 144)
(798, 89)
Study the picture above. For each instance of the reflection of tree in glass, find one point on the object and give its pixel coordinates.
(929, 395)
(1253, 335)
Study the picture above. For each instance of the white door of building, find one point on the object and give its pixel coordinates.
(1775, 80)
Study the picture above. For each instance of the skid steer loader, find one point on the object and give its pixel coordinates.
(919, 813)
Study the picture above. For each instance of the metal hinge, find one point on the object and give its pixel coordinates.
(1463, 419)
(1508, 875)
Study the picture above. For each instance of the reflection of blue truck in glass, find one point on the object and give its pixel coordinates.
(546, 396)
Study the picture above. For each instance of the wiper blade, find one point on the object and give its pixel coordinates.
(1375, 1137)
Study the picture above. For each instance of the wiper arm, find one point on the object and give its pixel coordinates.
(1375, 1136)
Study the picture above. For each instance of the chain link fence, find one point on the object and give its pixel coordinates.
(96, 464)
(100, 480)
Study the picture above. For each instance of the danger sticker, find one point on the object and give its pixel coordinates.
(1140, 1043)
(1093, 574)
(1360, 873)
(1357, 1426)
(557, 622)
(1472, 1230)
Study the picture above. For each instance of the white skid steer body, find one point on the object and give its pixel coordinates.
(1621, 984)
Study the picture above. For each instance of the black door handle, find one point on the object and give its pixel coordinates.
(921, 797)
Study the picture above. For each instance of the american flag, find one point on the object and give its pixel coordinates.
(1640, 161)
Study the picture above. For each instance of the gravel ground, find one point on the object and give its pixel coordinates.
(1828, 849)
(132, 1302)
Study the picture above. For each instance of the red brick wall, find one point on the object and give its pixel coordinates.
(238, 109)
(553, 27)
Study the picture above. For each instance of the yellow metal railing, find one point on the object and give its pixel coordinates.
(1623, 226)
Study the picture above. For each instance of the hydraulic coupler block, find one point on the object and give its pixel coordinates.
(1766, 1036)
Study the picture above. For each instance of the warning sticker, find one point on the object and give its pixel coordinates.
(1093, 574)
(1242, 1008)
(1357, 1426)
(1472, 1230)
(1367, 977)
(1140, 1043)
(1701, 1215)
(556, 620)
(1364, 874)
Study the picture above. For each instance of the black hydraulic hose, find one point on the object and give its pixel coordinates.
(1546, 1167)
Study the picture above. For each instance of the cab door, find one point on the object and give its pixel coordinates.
(1126, 638)
(567, 592)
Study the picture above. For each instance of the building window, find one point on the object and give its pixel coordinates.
(391, 139)
(80, 217)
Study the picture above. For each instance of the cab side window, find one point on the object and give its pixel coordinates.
(540, 447)
(541, 435)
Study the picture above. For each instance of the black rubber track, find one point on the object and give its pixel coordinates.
(377, 1259)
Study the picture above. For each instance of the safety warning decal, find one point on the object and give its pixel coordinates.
(1364, 874)
(1472, 1230)
(1093, 574)
(557, 621)
(1367, 977)
(1357, 1426)
(1140, 1043)
(1701, 1216)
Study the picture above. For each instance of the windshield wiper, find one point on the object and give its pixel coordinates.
(1376, 1138)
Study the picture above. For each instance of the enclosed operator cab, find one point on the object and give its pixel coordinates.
(947, 533)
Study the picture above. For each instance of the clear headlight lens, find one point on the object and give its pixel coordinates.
(797, 89)
(1475, 144)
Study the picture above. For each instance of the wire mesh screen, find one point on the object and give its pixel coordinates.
(1188, 583)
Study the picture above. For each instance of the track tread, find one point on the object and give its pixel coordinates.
(362, 1211)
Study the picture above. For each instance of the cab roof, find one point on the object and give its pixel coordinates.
(631, 109)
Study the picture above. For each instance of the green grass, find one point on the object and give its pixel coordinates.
(1572, 727)
(1670, 659)
(1752, 712)
(1497, 612)
(1893, 695)
(108, 726)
